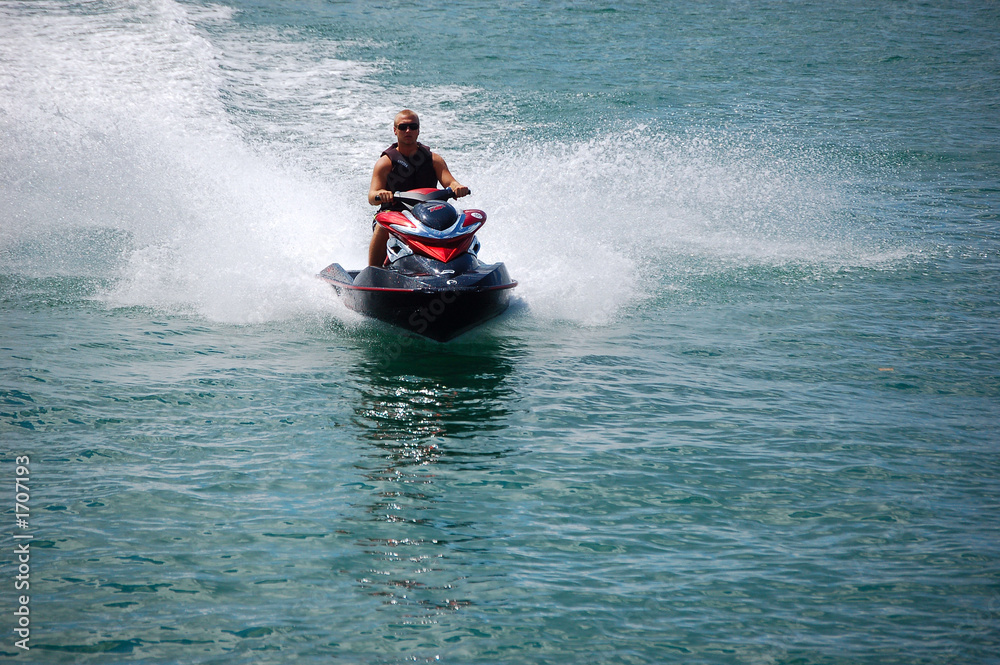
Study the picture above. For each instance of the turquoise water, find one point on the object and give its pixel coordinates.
(742, 410)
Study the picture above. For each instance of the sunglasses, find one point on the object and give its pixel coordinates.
(406, 126)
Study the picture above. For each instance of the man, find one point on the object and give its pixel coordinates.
(405, 165)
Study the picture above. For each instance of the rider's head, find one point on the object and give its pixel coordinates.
(410, 126)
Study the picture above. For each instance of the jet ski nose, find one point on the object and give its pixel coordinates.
(437, 215)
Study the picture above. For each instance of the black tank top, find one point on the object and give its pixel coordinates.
(410, 172)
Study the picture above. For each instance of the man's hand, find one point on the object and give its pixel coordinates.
(460, 190)
(383, 196)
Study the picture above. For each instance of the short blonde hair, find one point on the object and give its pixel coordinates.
(405, 113)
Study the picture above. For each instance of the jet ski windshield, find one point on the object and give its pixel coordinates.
(437, 215)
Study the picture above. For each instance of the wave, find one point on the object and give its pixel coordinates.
(115, 117)
(636, 210)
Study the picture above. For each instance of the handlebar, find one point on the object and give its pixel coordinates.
(436, 195)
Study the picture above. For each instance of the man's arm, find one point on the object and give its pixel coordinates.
(445, 177)
(380, 178)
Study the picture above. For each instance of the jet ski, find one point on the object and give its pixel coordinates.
(432, 282)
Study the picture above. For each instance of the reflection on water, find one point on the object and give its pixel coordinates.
(432, 415)
(425, 389)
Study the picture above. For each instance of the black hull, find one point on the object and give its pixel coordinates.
(439, 307)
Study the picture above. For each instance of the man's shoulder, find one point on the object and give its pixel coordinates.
(382, 164)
